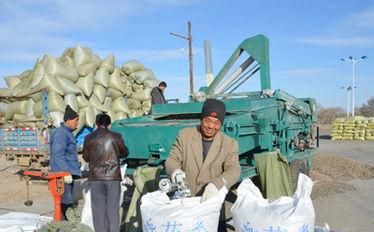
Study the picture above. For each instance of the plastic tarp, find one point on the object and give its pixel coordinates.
(22, 222)
(251, 212)
(275, 174)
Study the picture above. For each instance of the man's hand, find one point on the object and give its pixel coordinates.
(68, 179)
(175, 173)
(209, 192)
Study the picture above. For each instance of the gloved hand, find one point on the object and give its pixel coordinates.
(126, 181)
(175, 173)
(209, 192)
(68, 179)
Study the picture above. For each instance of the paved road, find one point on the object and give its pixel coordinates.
(357, 150)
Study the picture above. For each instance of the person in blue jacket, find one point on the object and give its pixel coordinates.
(64, 155)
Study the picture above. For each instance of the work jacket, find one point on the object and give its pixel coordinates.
(102, 149)
(157, 96)
(221, 166)
(64, 154)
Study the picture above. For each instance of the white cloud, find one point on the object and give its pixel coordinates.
(361, 20)
(311, 72)
(358, 41)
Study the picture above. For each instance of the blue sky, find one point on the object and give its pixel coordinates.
(307, 39)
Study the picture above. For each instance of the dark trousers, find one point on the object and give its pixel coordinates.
(105, 205)
(67, 199)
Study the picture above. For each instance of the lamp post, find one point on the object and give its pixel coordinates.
(349, 89)
(353, 61)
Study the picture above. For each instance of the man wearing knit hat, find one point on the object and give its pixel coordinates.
(207, 157)
(64, 156)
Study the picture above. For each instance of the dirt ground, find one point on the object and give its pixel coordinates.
(343, 195)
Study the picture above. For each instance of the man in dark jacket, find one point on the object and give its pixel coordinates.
(157, 94)
(64, 156)
(102, 149)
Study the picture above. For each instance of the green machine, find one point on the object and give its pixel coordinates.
(260, 121)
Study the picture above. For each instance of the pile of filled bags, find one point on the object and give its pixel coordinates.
(83, 80)
(251, 212)
(353, 128)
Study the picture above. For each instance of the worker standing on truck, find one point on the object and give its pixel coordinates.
(64, 155)
(207, 157)
(157, 93)
(102, 149)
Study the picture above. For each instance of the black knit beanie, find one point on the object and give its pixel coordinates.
(214, 108)
(70, 113)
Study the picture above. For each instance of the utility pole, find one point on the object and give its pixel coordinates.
(189, 38)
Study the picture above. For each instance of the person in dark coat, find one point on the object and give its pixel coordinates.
(64, 155)
(157, 94)
(102, 149)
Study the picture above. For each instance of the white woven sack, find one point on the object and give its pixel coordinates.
(68, 86)
(142, 95)
(71, 100)
(108, 63)
(115, 81)
(108, 102)
(90, 116)
(94, 102)
(81, 122)
(114, 93)
(251, 212)
(67, 60)
(55, 118)
(102, 77)
(82, 56)
(119, 105)
(140, 76)
(56, 102)
(159, 213)
(12, 81)
(86, 84)
(18, 107)
(132, 66)
(134, 104)
(100, 92)
(88, 68)
(82, 101)
(151, 83)
(57, 68)
(29, 106)
(48, 82)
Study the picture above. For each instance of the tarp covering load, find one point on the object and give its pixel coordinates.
(275, 174)
(81, 79)
(251, 212)
(353, 128)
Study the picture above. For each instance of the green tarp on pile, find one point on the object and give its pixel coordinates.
(275, 175)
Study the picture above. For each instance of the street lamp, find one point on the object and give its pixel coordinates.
(349, 89)
(354, 61)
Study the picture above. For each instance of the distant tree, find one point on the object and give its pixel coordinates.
(327, 115)
(367, 109)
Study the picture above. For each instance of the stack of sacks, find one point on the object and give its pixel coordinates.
(85, 82)
(349, 126)
(360, 129)
(337, 129)
(369, 135)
